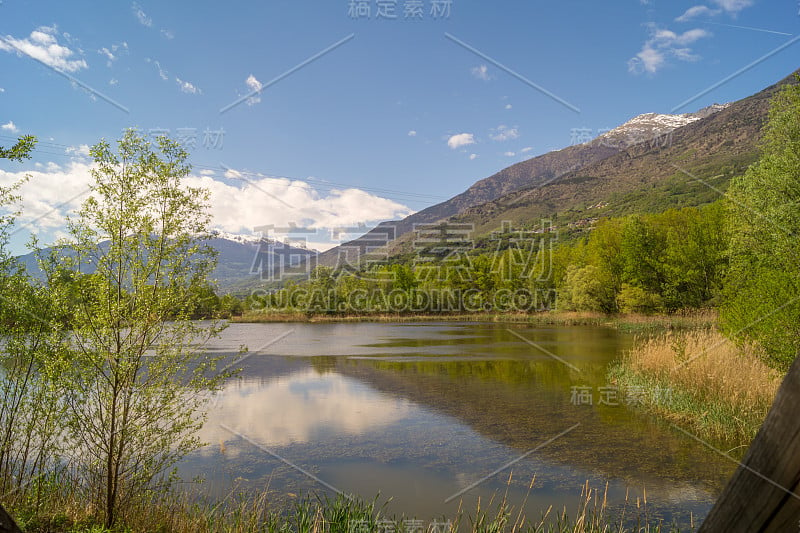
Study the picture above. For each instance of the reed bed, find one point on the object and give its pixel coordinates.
(703, 382)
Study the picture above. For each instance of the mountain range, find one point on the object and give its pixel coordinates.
(650, 163)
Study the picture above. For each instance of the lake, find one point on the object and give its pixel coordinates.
(435, 415)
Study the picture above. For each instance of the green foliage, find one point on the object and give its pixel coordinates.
(229, 306)
(646, 263)
(21, 150)
(584, 289)
(634, 299)
(642, 248)
(31, 364)
(512, 278)
(136, 379)
(670, 261)
(762, 295)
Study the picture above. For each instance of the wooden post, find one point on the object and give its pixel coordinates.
(7, 524)
(764, 493)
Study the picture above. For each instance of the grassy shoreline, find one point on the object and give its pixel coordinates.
(242, 512)
(701, 382)
(630, 322)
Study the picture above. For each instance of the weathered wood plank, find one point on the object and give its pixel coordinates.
(764, 493)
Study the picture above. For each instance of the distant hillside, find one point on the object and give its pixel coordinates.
(691, 166)
(649, 164)
(647, 131)
(531, 173)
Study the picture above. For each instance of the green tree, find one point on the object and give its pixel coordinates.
(207, 303)
(633, 299)
(604, 250)
(695, 256)
(322, 291)
(137, 379)
(763, 286)
(21, 150)
(403, 277)
(642, 249)
(30, 359)
(585, 289)
(230, 305)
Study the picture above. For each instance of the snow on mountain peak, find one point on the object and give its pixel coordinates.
(652, 127)
(235, 237)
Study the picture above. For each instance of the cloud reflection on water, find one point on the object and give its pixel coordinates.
(299, 408)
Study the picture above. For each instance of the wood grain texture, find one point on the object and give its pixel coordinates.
(764, 493)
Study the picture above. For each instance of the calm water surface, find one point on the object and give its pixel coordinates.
(421, 412)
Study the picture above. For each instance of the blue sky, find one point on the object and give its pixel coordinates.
(396, 114)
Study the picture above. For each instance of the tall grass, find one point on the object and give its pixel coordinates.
(701, 381)
(629, 323)
(243, 512)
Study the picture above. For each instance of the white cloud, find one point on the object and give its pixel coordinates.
(2, 90)
(481, 72)
(663, 44)
(10, 126)
(730, 7)
(509, 154)
(187, 87)
(281, 201)
(43, 195)
(509, 106)
(80, 150)
(473, 157)
(697, 11)
(685, 54)
(43, 46)
(412, 133)
(113, 81)
(141, 16)
(526, 150)
(666, 38)
(461, 139)
(648, 60)
(167, 34)
(254, 85)
(504, 133)
(163, 74)
(111, 54)
(235, 209)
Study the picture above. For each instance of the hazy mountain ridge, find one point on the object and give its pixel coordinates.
(240, 259)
